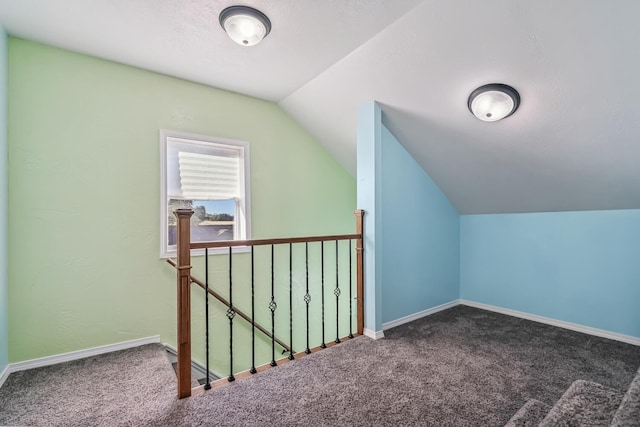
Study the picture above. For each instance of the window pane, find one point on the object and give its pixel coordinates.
(211, 177)
(212, 220)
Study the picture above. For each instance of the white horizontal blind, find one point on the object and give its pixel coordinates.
(209, 177)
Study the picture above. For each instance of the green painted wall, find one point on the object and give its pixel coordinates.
(84, 193)
(4, 289)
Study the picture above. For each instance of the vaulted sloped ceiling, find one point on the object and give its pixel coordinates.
(183, 38)
(574, 143)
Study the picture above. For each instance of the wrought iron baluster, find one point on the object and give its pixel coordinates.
(253, 319)
(307, 297)
(336, 292)
(291, 301)
(350, 294)
(231, 314)
(273, 306)
(323, 345)
(207, 385)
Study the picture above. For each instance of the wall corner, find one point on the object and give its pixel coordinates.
(368, 198)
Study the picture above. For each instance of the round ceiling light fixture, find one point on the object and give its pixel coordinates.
(493, 102)
(245, 25)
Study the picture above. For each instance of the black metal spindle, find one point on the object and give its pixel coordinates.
(323, 345)
(307, 297)
(272, 307)
(291, 301)
(230, 314)
(253, 320)
(336, 292)
(350, 294)
(207, 385)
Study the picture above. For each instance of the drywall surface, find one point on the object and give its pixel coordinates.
(412, 241)
(369, 153)
(420, 236)
(579, 267)
(4, 287)
(84, 200)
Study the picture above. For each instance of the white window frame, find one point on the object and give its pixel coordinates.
(243, 204)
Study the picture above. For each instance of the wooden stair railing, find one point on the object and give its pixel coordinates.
(238, 312)
(184, 279)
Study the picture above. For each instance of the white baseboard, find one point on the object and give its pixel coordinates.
(553, 322)
(80, 354)
(4, 375)
(376, 335)
(418, 315)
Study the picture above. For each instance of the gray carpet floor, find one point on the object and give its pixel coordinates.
(460, 367)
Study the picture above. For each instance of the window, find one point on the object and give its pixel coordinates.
(210, 176)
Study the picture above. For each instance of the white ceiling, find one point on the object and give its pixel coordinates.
(183, 38)
(574, 143)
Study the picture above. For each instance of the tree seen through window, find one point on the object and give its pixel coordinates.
(212, 220)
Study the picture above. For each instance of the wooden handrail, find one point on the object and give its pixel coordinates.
(183, 368)
(238, 312)
(184, 279)
(280, 241)
(360, 270)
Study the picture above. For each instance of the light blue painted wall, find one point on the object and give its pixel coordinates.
(369, 158)
(4, 291)
(412, 231)
(420, 235)
(579, 267)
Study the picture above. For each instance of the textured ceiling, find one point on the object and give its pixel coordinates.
(183, 38)
(574, 143)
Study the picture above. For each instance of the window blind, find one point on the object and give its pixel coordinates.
(207, 177)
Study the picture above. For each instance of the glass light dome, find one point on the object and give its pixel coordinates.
(493, 102)
(245, 25)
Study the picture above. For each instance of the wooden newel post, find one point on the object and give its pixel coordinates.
(360, 269)
(184, 301)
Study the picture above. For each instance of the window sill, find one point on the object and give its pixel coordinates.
(212, 251)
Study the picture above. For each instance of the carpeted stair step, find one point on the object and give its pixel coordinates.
(529, 415)
(628, 414)
(585, 403)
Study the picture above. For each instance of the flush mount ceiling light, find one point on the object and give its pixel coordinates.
(245, 25)
(493, 102)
